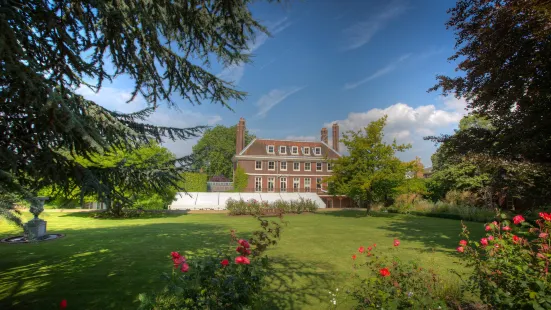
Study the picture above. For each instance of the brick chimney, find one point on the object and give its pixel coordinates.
(240, 136)
(324, 135)
(335, 137)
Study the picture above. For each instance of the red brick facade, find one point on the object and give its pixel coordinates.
(286, 166)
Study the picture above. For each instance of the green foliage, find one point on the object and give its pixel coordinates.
(372, 172)
(219, 281)
(393, 284)
(254, 207)
(50, 49)
(194, 182)
(214, 151)
(241, 180)
(510, 267)
(412, 186)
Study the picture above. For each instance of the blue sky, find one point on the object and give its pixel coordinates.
(345, 61)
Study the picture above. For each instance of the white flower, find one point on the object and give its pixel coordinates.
(337, 289)
(334, 302)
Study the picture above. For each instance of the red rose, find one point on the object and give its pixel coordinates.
(384, 272)
(518, 219)
(543, 235)
(175, 255)
(506, 228)
(374, 245)
(484, 241)
(185, 267)
(488, 228)
(460, 249)
(495, 224)
(369, 248)
(244, 243)
(463, 242)
(361, 249)
(491, 238)
(354, 256)
(178, 261)
(516, 239)
(545, 216)
(242, 260)
(396, 242)
(63, 304)
(225, 262)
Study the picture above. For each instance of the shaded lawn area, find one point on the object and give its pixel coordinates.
(105, 264)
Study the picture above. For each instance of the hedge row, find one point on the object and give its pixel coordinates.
(255, 207)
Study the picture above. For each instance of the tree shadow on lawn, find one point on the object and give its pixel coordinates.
(145, 215)
(437, 234)
(359, 213)
(99, 268)
(296, 284)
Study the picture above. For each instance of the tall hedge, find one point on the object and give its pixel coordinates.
(241, 180)
(195, 182)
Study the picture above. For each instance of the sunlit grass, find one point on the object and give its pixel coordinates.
(105, 264)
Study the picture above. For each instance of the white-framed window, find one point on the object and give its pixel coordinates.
(307, 166)
(307, 184)
(306, 151)
(283, 184)
(329, 167)
(271, 184)
(282, 150)
(258, 184)
(294, 150)
(318, 183)
(317, 150)
(296, 184)
(296, 166)
(283, 166)
(270, 149)
(271, 165)
(318, 167)
(258, 165)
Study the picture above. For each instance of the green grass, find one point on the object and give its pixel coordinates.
(105, 264)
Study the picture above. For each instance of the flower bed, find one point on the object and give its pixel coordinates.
(255, 207)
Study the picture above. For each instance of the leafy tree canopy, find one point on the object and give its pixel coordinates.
(371, 172)
(214, 151)
(49, 49)
(503, 48)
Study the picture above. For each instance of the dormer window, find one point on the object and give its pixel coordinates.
(306, 151)
(294, 150)
(282, 150)
(270, 149)
(317, 150)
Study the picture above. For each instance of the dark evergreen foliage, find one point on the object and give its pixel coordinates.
(49, 49)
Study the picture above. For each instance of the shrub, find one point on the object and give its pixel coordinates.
(221, 281)
(511, 263)
(194, 182)
(393, 284)
(254, 207)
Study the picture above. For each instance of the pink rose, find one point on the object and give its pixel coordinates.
(484, 241)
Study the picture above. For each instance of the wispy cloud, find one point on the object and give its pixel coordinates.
(274, 97)
(234, 73)
(384, 70)
(361, 33)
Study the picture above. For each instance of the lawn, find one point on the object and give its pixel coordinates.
(105, 264)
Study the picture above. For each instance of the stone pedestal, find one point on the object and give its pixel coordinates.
(35, 229)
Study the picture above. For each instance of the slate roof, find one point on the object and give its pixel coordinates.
(259, 147)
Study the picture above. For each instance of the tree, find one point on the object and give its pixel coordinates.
(214, 151)
(503, 48)
(371, 172)
(152, 157)
(241, 180)
(49, 49)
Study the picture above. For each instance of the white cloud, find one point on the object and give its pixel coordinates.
(115, 99)
(407, 124)
(361, 33)
(301, 138)
(385, 70)
(271, 99)
(234, 72)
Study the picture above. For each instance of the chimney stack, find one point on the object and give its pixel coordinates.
(240, 136)
(324, 135)
(335, 137)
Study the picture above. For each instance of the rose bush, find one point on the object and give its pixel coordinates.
(511, 263)
(231, 279)
(393, 284)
